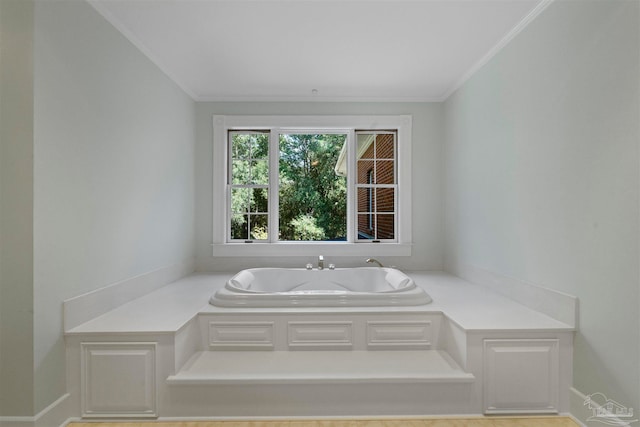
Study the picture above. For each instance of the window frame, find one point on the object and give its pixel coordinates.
(402, 124)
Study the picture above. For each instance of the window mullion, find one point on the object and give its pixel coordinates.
(274, 168)
(352, 208)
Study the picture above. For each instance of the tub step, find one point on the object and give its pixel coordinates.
(319, 367)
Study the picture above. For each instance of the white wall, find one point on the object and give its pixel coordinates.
(114, 171)
(426, 178)
(542, 177)
(16, 207)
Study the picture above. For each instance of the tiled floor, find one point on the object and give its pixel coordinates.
(431, 422)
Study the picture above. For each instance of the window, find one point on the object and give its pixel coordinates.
(305, 185)
(376, 185)
(248, 185)
(312, 196)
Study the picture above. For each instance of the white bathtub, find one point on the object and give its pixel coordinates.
(342, 287)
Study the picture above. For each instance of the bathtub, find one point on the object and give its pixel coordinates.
(342, 287)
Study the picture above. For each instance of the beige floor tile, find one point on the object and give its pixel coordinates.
(457, 422)
(429, 422)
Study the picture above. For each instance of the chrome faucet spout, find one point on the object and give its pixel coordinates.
(374, 261)
(320, 262)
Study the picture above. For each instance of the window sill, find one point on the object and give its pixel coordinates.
(310, 249)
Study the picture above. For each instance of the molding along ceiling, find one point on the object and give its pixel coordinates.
(319, 50)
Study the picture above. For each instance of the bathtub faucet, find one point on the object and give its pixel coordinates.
(375, 261)
(320, 262)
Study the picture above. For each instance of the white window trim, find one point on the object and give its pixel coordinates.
(223, 123)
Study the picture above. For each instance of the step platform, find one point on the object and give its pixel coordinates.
(319, 367)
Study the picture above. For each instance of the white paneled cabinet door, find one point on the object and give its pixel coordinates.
(521, 376)
(118, 379)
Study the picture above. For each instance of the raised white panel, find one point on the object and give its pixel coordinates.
(320, 335)
(521, 376)
(118, 380)
(389, 334)
(241, 335)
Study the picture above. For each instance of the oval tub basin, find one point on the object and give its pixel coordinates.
(342, 287)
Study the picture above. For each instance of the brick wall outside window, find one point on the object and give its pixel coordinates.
(379, 157)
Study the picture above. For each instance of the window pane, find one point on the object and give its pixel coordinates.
(365, 171)
(385, 146)
(259, 172)
(239, 226)
(259, 227)
(249, 145)
(385, 172)
(240, 146)
(366, 147)
(385, 200)
(240, 200)
(259, 200)
(312, 191)
(366, 226)
(260, 146)
(240, 172)
(385, 226)
(366, 199)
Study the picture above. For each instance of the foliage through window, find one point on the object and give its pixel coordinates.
(312, 197)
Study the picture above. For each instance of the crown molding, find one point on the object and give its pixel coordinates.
(398, 99)
(139, 45)
(390, 99)
(497, 47)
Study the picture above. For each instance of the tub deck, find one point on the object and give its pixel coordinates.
(168, 309)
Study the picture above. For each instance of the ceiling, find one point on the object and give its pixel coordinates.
(324, 50)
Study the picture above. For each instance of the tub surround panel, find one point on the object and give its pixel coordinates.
(168, 309)
(400, 334)
(323, 335)
(165, 310)
(243, 362)
(118, 380)
(534, 362)
(322, 330)
(241, 335)
(555, 304)
(477, 308)
(85, 307)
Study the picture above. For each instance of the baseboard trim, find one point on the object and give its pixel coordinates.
(82, 308)
(55, 414)
(555, 304)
